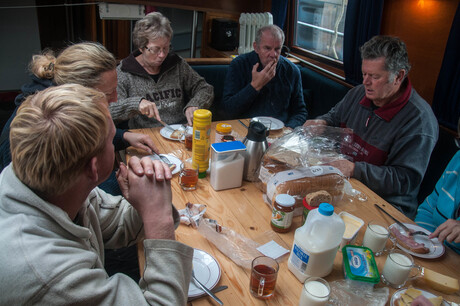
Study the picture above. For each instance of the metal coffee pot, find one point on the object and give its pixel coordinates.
(256, 145)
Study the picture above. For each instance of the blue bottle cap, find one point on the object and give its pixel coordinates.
(326, 209)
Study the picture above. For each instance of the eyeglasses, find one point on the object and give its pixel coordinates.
(156, 50)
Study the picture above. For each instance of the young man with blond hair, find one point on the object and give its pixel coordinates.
(56, 223)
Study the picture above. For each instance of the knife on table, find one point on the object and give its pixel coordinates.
(214, 290)
(394, 219)
(205, 289)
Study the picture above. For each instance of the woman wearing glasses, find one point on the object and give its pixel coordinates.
(440, 212)
(156, 84)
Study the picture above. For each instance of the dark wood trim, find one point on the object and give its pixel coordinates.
(209, 61)
(451, 132)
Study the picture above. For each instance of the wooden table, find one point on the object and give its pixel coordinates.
(243, 210)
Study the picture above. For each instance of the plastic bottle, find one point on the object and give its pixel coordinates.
(316, 243)
(201, 140)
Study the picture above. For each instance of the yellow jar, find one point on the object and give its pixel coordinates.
(201, 140)
(222, 129)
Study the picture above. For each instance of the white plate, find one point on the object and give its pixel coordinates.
(176, 161)
(426, 294)
(166, 133)
(207, 271)
(434, 245)
(276, 124)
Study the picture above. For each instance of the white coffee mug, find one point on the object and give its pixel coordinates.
(315, 292)
(397, 269)
(376, 236)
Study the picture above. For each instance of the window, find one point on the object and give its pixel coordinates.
(319, 27)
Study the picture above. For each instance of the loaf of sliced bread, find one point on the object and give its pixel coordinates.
(315, 198)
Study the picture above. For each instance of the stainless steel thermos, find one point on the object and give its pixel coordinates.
(256, 145)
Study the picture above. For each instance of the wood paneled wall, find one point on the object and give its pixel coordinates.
(424, 26)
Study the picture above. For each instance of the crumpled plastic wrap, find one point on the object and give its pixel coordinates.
(191, 214)
(344, 294)
(240, 249)
(296, 164)
(312, 145)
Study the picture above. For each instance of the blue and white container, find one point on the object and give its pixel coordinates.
(359, 266)
(227, 164)
(316, 243)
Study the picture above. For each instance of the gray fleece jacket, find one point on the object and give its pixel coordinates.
(391, 144)
(48, 259)
(177, 88)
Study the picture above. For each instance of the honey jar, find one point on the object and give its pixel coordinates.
(282, 213)
(222, 130)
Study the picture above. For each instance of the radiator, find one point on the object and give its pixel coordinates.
(249, 24)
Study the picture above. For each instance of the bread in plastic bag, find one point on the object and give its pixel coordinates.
(296, 164)
(309, 146)
(302, 181)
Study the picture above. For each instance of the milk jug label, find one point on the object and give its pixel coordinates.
(299, 258)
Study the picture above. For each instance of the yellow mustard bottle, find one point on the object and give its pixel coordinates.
(201, 140)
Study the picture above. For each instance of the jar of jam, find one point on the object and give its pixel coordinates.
(282, 213)
(222, 129)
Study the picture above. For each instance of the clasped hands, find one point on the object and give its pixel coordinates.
(146, 185)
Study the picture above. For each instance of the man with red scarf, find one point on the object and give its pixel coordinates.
(394, 128)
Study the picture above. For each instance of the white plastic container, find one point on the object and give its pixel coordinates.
(353, 225)
(227, 164)
(316, 243)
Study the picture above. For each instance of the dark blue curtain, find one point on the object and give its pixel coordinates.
(279, 10)
(362, 22)
(446, 100)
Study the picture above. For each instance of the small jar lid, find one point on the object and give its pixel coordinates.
(223, 128)
(285, 200)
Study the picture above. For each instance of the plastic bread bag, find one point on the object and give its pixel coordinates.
(308, 146)
(305, 180)
(344, 294)
(296, 164)
(240, 249)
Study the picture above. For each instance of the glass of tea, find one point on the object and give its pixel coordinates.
(264, 271)
(188, 175)
(187, 139)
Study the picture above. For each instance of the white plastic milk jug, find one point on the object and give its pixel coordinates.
(316, 243)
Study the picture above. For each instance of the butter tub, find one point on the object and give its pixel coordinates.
(359, 267)
(352, 226)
